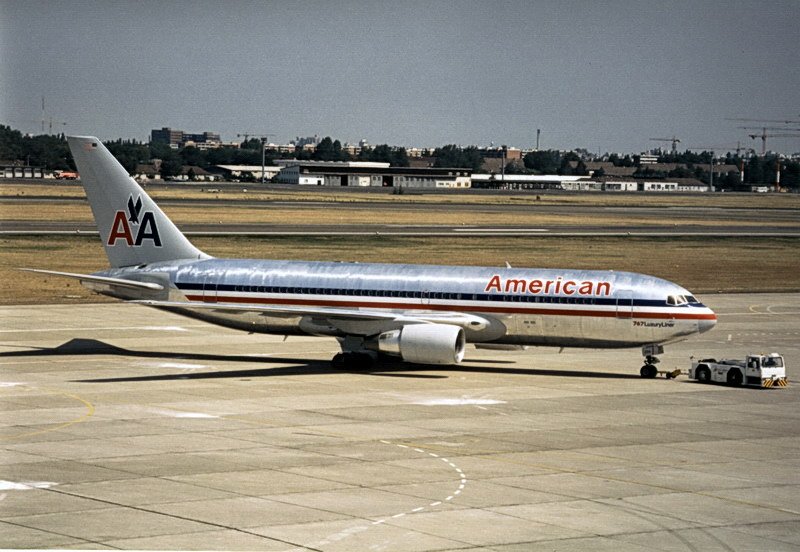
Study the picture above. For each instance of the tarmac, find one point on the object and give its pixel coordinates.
(125, 427)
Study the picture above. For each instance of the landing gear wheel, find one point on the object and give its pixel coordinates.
(648, 371)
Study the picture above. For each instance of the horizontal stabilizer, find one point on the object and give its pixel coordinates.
(131, 284)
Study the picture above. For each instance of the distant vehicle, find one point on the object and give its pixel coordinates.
(66, 175)
(424, 314)
(756, 370)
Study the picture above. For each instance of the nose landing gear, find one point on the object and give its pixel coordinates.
(649, 353)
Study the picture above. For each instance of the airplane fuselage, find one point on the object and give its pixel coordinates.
(570, 308)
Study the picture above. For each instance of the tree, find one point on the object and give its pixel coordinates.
(454, 156)
(754, 172)
(129, 153)
(171, 164)
(325, 150)
(397, 157)
(544, 162)
(192, 156)
(10, 144)
(790, 176)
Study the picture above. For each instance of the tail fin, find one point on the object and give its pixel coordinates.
(133, 229)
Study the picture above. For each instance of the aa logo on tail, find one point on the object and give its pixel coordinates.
(133, 226)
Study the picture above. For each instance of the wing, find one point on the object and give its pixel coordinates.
(334, 315)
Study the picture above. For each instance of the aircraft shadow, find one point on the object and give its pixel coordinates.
(302, 366)
(89, 347)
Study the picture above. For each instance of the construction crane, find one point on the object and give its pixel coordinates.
(263, 138)
(781, 121)
(52, 121)
(673, 140)
(781, 134)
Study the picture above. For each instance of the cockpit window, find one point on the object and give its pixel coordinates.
(692, 299)
(677, 300)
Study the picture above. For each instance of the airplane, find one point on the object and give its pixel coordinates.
(423, 314)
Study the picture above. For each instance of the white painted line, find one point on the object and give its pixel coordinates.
(180, 414)
(165, 328)
(25, 485)
(434, 504)
(463, 401)
(418, 509)
(401, 514)
(500, 230)
(176, 365)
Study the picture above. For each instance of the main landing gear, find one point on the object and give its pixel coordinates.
(355, 355)
(649, 353)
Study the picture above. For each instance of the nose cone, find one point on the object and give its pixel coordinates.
(708, 321)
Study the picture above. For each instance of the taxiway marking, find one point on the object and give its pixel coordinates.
(336, 537)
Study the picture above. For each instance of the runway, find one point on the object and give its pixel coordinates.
(125, 427)
(45, 228)
(557, 220)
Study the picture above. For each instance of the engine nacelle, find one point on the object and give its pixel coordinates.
(425, 343)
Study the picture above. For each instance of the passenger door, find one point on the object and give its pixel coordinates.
(625, 304)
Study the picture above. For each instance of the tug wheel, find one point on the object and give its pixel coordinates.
(703, 374)
(735, 378)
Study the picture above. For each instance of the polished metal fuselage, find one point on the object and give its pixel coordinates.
(570, 308)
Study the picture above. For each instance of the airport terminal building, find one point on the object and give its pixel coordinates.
(365, 174)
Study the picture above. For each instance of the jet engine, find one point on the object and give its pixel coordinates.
(425, 343)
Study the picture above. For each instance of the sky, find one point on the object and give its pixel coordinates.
(604, 76)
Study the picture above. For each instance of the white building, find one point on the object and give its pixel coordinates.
(366, 174)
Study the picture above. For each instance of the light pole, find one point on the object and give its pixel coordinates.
(263, 139)
(263, 155)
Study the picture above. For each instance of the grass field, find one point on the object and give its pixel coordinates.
(703, 265)
(404, 214)
(312, 194)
